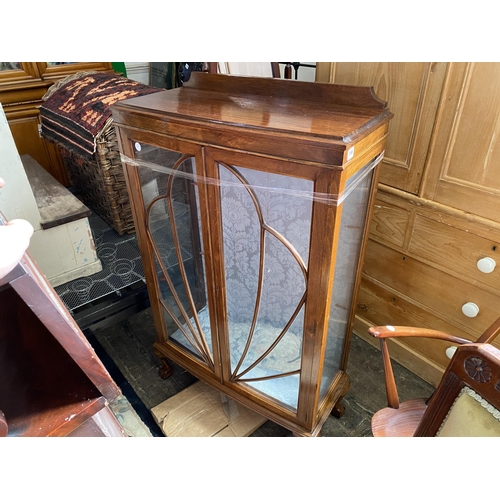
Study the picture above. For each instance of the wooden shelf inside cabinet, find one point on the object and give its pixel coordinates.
(51, 381)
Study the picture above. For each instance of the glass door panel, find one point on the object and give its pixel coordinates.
(9, 66)
(354, 209)
(266, 243)
(171, 202)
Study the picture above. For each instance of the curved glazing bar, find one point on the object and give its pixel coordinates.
(265, 270)
(172, 229)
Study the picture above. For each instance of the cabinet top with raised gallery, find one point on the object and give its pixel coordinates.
(286, 118)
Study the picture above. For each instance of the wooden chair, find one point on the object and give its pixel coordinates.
(421, 417)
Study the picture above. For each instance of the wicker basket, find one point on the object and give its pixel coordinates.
(101, 181)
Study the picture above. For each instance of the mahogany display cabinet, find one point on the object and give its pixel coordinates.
(251, 198)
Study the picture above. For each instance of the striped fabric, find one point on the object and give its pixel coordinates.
(75, 113)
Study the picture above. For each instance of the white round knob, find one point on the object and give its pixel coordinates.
(470, 309)
(451, 351)
(486, 265)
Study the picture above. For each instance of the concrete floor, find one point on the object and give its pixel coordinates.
(128, 343)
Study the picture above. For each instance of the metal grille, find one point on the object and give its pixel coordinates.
(121, 267)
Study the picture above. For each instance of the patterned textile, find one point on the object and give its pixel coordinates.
(79, 109)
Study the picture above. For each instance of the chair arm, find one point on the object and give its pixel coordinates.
(387, 332)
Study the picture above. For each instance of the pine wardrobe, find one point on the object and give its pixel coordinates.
(251, 198)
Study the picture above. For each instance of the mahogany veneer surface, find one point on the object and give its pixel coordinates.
(40, 385)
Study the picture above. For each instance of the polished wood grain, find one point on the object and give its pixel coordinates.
(385, 332)
(51, 381)
(416, 359)
(217, 104)
(401, 422)
(333, 122)
(388, 332)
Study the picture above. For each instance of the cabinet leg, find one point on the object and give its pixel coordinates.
(165, 369)
(338, 410)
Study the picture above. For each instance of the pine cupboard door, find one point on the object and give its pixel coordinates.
(171, 216)
(464, 162)
(413, 91)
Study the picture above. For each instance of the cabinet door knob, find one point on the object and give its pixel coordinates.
(486, 265)
(470, 309)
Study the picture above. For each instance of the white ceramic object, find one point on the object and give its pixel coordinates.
(470, 309)
(486, 265)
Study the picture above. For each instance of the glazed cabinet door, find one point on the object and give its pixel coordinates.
(413, 91)
(172, 225)
(464, 170)
(262, 234)
(288, 269)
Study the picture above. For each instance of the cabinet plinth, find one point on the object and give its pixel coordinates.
(250, 198)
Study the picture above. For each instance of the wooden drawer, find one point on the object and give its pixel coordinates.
(455, 251)
(432, 289)
(377, 305)
(389, 223)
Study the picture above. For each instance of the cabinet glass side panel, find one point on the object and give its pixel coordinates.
(172, 224)
(266, 233)
(354, 210)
